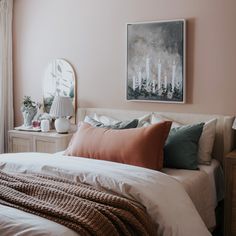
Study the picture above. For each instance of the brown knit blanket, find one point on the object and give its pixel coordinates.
(82, 208)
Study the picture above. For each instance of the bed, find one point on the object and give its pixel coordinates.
(184, 213)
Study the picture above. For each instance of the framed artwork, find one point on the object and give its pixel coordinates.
(156, 61)
(59, 80)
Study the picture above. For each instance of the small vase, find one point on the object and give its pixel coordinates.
(28, 115)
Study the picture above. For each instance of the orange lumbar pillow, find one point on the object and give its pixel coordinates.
(140, 147)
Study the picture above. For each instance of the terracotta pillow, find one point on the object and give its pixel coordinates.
(140, 147)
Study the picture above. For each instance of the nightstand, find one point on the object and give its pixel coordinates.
(230, 194)
(25, 141)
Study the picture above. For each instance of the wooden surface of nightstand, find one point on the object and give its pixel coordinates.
(230, 194)
(25, 141)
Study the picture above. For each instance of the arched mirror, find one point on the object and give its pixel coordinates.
(59, 80)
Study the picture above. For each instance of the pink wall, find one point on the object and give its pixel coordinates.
(91, 35)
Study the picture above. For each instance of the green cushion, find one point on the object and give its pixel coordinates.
(119, 125)
(181, 148)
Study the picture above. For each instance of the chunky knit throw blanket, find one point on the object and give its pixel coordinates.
(82, 208)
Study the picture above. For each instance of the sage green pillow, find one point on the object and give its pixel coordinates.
(181, 147)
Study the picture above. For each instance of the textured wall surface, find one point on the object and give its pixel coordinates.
(91, 35)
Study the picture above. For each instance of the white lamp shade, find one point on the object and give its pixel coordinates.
(62, 107)
(234, 124)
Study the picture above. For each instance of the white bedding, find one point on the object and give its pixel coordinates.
(165, 198)
(203, 187)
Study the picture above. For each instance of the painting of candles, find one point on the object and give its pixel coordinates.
(156, 61)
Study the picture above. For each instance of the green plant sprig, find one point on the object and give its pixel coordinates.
(27, 102)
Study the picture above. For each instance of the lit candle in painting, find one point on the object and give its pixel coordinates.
(173, 75)
(147, 69)
(134, 83)
(165, 81)
(159, 74)
(153, 86)
(140, 79)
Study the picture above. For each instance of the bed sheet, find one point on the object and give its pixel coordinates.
(204, 186)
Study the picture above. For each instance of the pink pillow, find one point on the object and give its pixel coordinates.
(140, 146)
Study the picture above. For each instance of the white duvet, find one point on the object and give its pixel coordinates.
(165, 199)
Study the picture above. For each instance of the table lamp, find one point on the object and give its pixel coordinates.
(62, 108)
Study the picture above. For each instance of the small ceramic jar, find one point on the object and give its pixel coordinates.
(45, 125)
(36, 124)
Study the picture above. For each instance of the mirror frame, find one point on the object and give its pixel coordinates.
(47, 76)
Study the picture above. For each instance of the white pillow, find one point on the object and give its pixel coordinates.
(206, 141)
(158, 118)
(106, 120)
(144, 120)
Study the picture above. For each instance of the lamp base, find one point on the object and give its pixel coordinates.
(62, 125)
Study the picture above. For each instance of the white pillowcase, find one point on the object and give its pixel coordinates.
(206, 141)
(158, 118)
(108, 121)
(144, 120)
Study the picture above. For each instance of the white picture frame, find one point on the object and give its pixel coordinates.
(156, 61)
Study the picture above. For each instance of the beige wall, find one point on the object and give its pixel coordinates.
(90, 34)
